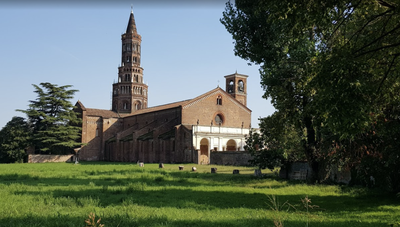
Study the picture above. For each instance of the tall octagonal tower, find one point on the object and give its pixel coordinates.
(130, 93)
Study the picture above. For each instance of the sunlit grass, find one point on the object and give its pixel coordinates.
(124, 194)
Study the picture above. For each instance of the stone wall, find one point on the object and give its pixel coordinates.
(295, 171)
(196, 157)
(39, 158)
(301, 171)
(340, 175)
(234, 158)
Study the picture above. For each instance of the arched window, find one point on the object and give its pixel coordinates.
(126, 106)
(138, 106)
(219, 100)
(218, 119)
(241, 86)
(230, 86)
(127, 77)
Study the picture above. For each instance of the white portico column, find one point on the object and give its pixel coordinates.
(211, 143)
(220, 143)
(210, 148)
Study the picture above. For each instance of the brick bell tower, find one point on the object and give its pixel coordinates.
(130, 93)
(236, 86)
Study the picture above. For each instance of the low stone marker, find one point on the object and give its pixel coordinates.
(194, 169)
(180, 167)
(213, 170)
(235, 171)
(160, 165)
(141, 164)
(257, 173)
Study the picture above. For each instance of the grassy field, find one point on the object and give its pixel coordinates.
(124, 194)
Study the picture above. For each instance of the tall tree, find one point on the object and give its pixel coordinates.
(14, 140)
(329, 67)
(54, 121)
(275, 145)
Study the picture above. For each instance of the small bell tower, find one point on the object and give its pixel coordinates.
(236, 85)
(130, 92)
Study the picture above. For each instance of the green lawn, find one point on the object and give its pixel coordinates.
(124, 194)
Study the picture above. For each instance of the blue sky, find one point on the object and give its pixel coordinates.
(186, 52)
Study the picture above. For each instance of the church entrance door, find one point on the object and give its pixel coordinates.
(204, 151)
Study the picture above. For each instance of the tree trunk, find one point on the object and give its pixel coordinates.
(309, 148)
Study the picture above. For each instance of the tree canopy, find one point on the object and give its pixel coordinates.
(55, 124)
(14, 140)
(331, 68)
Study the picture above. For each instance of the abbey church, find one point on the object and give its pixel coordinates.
(184, 131)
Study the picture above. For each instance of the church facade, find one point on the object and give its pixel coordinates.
(185, 131)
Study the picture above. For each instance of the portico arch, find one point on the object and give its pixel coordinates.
(204, 149)
(231, 145)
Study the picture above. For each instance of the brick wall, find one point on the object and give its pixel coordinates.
(234, 158)
(149, 137)
(95, 131)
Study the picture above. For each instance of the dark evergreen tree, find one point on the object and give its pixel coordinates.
(14, 140)
(55, 123)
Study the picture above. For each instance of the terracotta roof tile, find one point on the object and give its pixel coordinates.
(102, 113)
(161, 107)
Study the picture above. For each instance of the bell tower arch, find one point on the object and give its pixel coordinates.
(130, 92)
(236, 86)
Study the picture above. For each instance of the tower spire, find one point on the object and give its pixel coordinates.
(131, 28)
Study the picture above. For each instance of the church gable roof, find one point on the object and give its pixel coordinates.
(214, 92)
